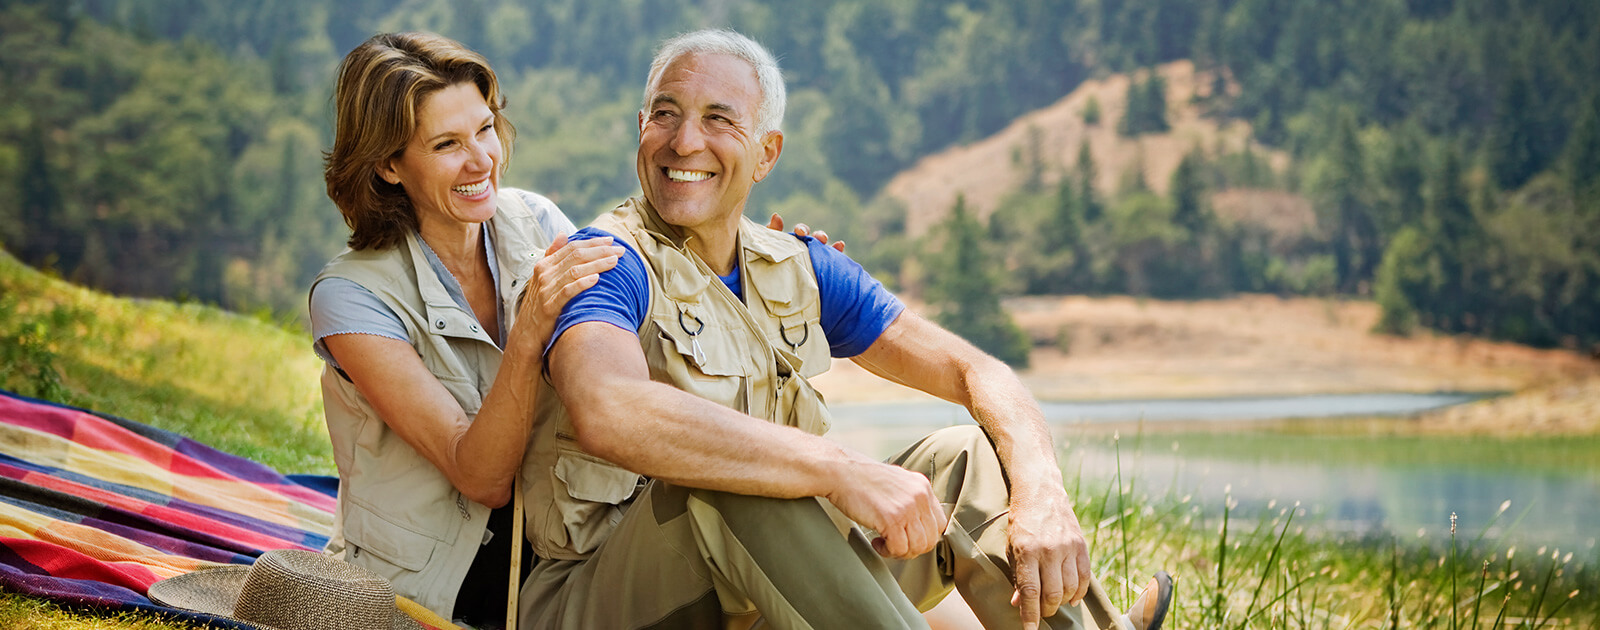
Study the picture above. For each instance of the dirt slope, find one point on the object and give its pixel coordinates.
(984, 171)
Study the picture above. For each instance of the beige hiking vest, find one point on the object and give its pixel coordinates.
(402, 518)
(752, 356)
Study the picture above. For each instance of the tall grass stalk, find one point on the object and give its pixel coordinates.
(1483, 576)
(1222, 558)
(1122, 523)
(1394, 581)
(1549, 573)
(1271, 558)
(1453, 599)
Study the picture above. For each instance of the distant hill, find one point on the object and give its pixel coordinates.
(985, 171)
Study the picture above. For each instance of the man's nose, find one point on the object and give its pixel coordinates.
(688, 138)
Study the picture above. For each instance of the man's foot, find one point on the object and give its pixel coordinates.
(1150, 609)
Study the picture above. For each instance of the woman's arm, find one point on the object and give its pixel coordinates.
(479, 456)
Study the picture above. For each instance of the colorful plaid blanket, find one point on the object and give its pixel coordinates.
(95, 508)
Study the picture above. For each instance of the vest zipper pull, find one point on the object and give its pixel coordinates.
(462, 506)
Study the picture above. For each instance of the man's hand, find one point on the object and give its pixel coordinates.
(895, 502)
(801, 229)
(1049, 557)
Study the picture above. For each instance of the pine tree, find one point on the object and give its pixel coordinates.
(1089, 202)
(963, 286)
(1188, 197)
(1581, 156)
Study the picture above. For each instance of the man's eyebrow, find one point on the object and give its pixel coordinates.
(663, 99)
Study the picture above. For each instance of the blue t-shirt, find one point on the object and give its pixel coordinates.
(856, 309)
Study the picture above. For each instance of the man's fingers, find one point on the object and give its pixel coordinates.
(1027, 595)
(1082, 566)
(1054, 583)
(898, 544)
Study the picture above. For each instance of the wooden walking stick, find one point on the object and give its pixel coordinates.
(515, 588)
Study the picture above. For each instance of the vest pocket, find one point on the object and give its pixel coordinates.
(711, 365)
(594, 490)
(377, 537)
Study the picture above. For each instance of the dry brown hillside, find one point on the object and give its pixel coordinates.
(984, 170)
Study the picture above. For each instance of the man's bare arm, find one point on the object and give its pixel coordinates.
(1050, 556)
(665, 433)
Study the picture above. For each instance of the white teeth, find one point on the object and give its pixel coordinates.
(472, 190)
(687, 176)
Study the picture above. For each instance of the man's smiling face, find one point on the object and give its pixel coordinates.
(699, 153)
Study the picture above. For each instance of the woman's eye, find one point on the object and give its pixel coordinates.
(486, 128)
(444, 145)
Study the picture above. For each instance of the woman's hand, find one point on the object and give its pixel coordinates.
(567, 269)
(801, 229)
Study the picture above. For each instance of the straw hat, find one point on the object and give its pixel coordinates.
(289, 589)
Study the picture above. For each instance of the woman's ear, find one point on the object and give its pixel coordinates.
(387, 172)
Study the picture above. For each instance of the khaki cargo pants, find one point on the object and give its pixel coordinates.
(682, 558)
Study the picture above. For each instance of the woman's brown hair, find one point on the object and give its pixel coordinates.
(382, 84)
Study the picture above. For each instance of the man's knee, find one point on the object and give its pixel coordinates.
(951, 450)
(966, 437)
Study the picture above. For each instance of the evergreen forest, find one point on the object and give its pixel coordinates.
(1449, 148)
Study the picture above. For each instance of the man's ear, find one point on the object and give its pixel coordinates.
(641, 123)
(771, 148)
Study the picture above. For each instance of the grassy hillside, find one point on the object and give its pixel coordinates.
(243, 385)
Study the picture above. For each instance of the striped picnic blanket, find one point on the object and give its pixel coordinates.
(95, 508)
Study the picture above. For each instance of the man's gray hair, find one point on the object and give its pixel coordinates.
(769, 113)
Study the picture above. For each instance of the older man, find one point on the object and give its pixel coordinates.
(682, 479)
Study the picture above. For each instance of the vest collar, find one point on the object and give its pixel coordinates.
(754, 239)
(444, 316)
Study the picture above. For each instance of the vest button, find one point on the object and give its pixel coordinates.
(439, 324)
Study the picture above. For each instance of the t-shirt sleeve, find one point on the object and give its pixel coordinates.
(340, 307)
(856, 308)
(621, 297)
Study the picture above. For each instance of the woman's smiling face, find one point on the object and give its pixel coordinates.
(450, 168)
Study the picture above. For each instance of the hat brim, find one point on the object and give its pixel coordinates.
(215, 591)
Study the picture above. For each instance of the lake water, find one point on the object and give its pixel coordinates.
(1369, 483)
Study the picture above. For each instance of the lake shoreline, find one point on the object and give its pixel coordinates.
(1122, 348)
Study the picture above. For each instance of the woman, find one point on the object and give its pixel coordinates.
(433, 323)
(429, 387)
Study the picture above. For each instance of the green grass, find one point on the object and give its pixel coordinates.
(1275, 570)
(241, 384)
(238, 383)
(249, 387)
